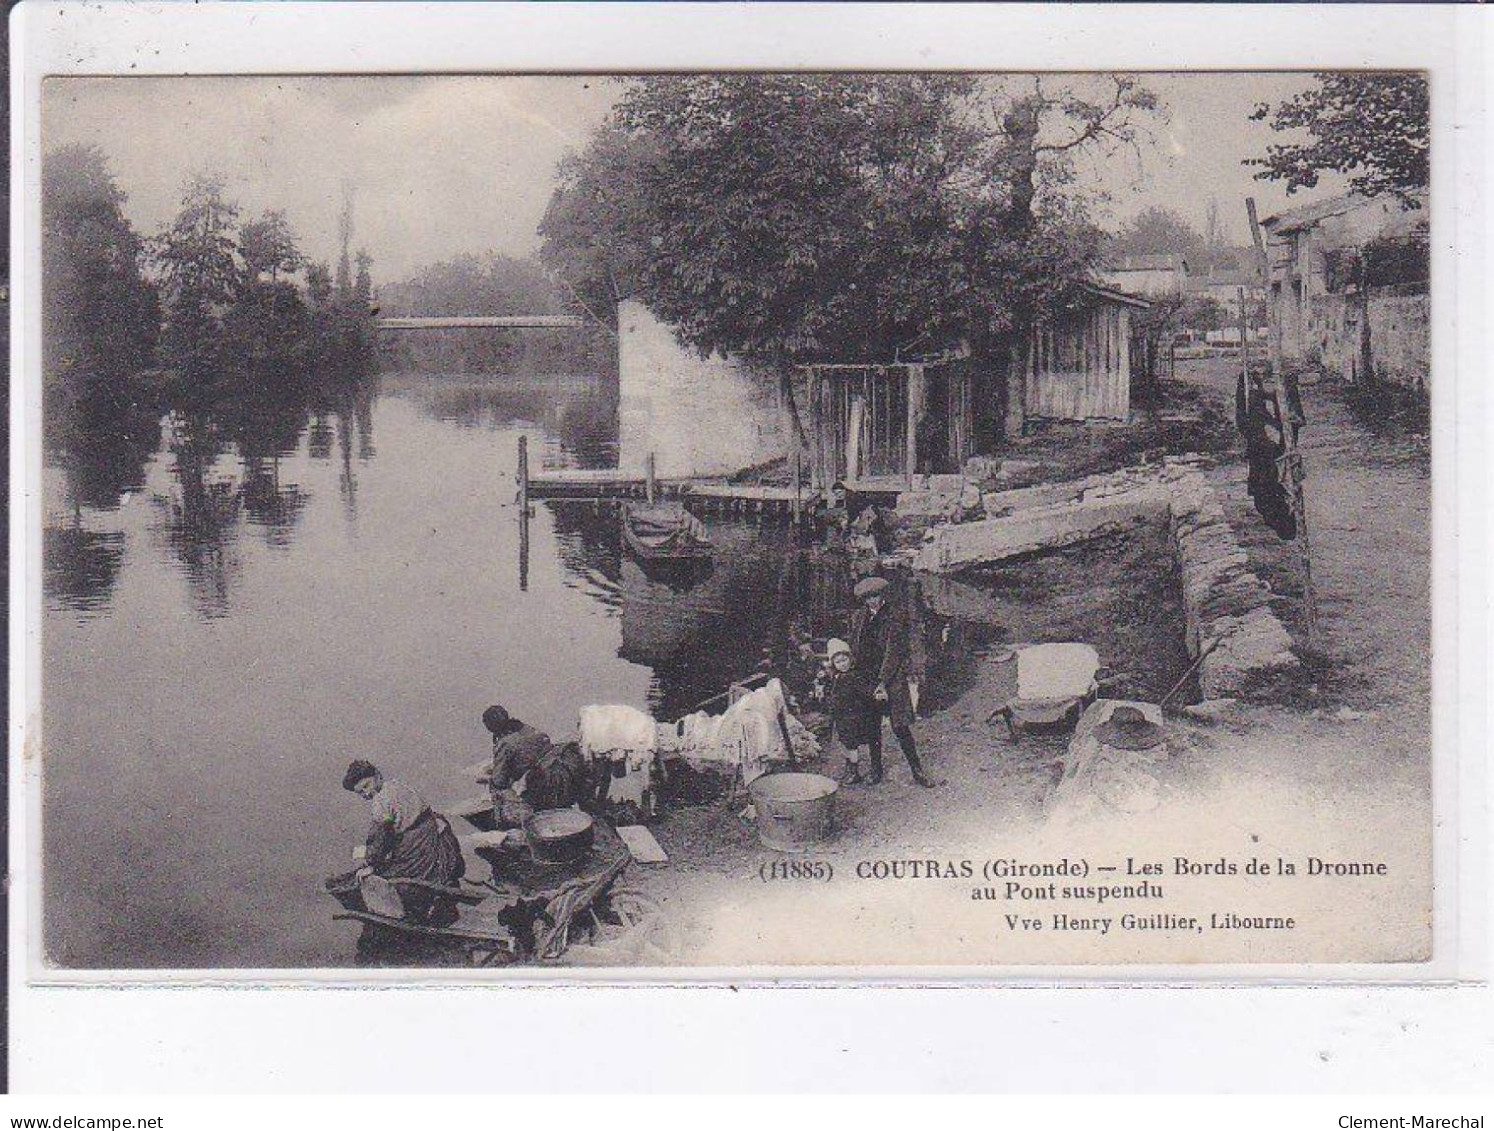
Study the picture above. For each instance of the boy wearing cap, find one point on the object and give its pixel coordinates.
(880, 653)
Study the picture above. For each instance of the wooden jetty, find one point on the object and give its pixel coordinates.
(602, 483)
(483, 322)
(711, 497)
(708, 496)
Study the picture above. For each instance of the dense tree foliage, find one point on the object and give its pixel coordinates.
(475, 284)
(200, 273)
(1374, 127)
(100, 321)
(268, 247)
(1159, 231)
(100, 315)
(796, 218)
(234, 309)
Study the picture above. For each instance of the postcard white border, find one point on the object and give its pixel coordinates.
(357, 38)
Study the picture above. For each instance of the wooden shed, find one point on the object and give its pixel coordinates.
(1079, 362)
(891, 421)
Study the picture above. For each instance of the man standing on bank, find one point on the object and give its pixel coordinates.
(880, 654)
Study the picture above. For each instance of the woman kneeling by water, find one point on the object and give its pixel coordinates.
(407, 841)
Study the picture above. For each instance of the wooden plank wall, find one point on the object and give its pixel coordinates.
(1080, 367)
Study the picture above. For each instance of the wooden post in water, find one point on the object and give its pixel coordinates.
(649, 484)
(523, 475)
(523, 513)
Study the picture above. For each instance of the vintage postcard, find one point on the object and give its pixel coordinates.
(860, 522)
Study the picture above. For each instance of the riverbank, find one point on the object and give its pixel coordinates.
(1337, 761)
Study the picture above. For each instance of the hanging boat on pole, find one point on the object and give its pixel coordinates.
(659, 533)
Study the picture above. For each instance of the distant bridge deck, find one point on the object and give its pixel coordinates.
(485, 322)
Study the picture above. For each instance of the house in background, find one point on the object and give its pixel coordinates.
(1349, 282)
(1147, 276)
(1224, 285)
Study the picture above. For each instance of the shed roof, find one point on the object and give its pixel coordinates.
(1305, 215)
(1120, 298)
(1169, 261)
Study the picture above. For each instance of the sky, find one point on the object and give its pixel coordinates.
(442, 165)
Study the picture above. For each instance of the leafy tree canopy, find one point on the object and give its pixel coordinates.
(1374, 127)
(100, 315)
(806, 217)
(489, 284)
(1159, 231)
(268, 247)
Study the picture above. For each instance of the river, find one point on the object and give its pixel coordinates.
(236, 607)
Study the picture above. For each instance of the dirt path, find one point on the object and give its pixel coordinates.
(1369, 514)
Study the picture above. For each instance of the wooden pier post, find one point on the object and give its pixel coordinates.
(523, 475)
(649, 483)
(523, 514)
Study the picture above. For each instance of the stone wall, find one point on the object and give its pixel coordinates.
(1224, 603)
(697, 415)
(1227, 609)
(1400, 339)
(1400, 344)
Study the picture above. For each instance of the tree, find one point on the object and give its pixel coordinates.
(779, 218)
(1160, 231)
(319, 283)
(595, 228)
(268, 247)
(1215, 243)
(100, 320)
(1374, 127)
(1042, 134)
(363, 283)
(345, 242)
(201, 272)
(100, 316)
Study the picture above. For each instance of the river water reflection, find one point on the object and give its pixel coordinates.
(236, 606)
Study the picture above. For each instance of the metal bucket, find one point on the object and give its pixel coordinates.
(794, 811)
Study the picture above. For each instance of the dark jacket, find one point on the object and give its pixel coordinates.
(854, 714)
(556, 777)
(879, 645)
(516, 753)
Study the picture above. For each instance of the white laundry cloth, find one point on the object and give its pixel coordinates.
(609, 728)
(1056, 671)
(627, 739)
